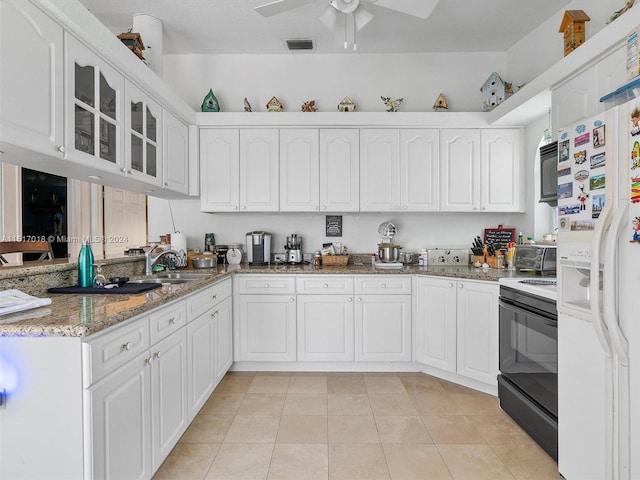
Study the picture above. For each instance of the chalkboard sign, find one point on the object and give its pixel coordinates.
(499, 236)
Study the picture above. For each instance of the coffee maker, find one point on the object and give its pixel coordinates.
(258, 248)
(293, 249)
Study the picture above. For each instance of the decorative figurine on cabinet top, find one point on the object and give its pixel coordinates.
(274, 105)
(392, 105)
(574, 29)
(210, 103)
(247, 105)
(133, 41)
(309, 106)
(494, 92)
(441, 104)
(346, 105)
(627, 5)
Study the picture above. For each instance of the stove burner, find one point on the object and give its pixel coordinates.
(539, 282)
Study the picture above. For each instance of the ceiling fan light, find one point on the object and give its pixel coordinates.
(362, 17)
(346, 6)
(329, 17)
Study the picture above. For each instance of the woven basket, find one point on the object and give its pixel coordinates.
(335, 260)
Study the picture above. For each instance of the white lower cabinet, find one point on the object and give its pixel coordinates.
(168, 395)
(120, 416)
(224, 337)
(325, 328)
(268, 328)
(201, 362)
(477, 355)
(457, 327)
(139, 411)
(383, 328)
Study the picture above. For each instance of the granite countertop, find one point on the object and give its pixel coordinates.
(77, 315)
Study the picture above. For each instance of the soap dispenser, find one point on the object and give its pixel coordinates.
(85, 266)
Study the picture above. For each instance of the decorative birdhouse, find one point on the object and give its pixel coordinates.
(346, 105)
(441, 104)
(274, 105)
(574, 29)
(210, 103)
(133, 41)
(494, 92)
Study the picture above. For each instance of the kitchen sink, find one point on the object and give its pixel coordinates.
(184, 276)
(161, 280)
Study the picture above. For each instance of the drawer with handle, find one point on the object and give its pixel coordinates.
(383, 284)
(202, 301)
(107, 352)
(166, 320)
(324, 284)
(266, 284)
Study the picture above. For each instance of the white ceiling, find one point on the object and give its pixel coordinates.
(231, 26)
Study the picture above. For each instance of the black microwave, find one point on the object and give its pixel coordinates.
(549, 174)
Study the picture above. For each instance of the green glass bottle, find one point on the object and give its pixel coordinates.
(85, 266)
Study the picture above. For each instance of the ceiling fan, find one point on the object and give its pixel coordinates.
(351, 15)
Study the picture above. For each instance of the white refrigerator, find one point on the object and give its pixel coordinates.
(598, 286)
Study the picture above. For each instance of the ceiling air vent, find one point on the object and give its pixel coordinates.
(300, 44)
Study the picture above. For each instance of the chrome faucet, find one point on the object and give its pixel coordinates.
(150, 261)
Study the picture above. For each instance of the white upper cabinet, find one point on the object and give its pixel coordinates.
(219, 170)
(399, 170)
(259, 159)
(31, 92)
(500, 172)
(143, 136)
(94, 96)
(175, 152)
(339, 170)
(460, 170)
(419, 157)
(379, 170)
(299, 170)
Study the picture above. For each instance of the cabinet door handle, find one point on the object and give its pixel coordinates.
(172, 320)
(215, 295)
(324, 207)
(291, 300)
(359, 299)
(156, 355)
(459, 285)
(126, 346)
(147, 361)
(384, 285)
(60, 148)
(405, 207)
(315, 207)
(215, 312)
(349, 300)
(244, 207)
(235, 207)
(166, 184)
(325, 286)
(397, 207)
(450, 285)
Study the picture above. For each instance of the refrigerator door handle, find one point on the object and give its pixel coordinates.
(610, 285)
(594, 285)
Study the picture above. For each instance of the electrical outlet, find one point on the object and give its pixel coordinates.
(280, 257)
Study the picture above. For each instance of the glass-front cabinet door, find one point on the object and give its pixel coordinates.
(143, 131)
(94, 93)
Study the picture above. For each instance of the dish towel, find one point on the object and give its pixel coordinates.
(15, 301)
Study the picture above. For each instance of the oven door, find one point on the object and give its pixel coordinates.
(529, 352)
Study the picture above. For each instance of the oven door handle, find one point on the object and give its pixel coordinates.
(550, 321)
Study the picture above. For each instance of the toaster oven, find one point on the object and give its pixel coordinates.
(536, 258)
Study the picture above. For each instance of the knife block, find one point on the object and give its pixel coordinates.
(478, 258)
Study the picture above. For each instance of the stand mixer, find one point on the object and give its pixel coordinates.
(293, 249)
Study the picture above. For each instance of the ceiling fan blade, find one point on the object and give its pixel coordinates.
(417, 8)
(279, 6)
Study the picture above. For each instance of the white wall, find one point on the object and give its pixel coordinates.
(360, 231)
(327, 78)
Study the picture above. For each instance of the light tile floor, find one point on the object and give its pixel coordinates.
(403, 426)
